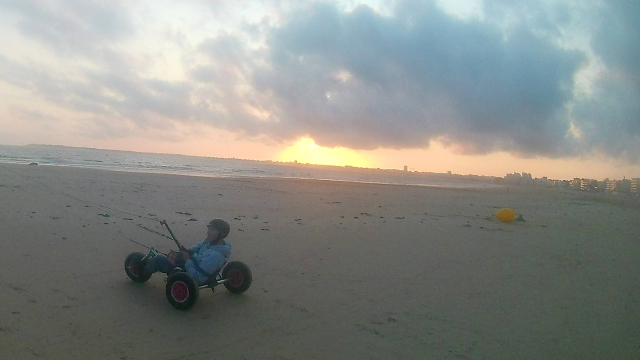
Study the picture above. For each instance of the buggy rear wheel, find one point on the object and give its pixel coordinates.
(134, 268)
(182, 290)
(238, 276)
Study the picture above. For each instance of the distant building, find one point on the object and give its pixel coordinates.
(634, 185)
(588, 184)
(623, 186)
(612, 185)
(584, 183)
(405, 168)
(576, 183)
(544, 182)
(514, 178)
(602, 185)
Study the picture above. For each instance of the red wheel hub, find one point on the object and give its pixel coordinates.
(180, 291)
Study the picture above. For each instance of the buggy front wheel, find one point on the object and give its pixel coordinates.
(182, 290)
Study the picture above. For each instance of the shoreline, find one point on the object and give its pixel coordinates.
(461, 183)
(626, 200)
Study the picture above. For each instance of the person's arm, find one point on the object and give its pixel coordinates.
(211, 261)
(195, 248)
(204, 266)
(184, 255)
(187, 254)
(191, 270)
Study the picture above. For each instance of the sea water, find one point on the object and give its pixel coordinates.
(219, 167)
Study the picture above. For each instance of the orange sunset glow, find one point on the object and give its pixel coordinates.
(306, 151)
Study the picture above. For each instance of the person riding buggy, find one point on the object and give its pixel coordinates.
(202, 259)
(192, 269)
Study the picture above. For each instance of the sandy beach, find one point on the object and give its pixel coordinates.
(340, 270)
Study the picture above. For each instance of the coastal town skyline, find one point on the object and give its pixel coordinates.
(526, 178)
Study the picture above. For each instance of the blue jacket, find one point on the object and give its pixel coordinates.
(209, 258)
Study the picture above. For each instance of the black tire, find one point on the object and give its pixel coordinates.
(134, 269)
(238, 277)
(182, 290)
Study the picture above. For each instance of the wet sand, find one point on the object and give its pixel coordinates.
(341, 270)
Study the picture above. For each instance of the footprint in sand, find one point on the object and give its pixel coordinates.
(18, 289)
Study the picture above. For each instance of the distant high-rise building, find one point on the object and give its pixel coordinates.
(405, 168)
(584, 184)
(634, 185)
(576, 183)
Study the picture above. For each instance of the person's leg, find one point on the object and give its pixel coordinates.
(158, 263)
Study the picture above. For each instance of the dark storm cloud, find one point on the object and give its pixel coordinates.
(416, 76)
(360, 78)
(617, 40)
(610, 118)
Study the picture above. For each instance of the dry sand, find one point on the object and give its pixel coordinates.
(341, 270)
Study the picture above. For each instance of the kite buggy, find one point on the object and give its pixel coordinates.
(182, 289)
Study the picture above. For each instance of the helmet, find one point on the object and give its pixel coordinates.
(222, 226)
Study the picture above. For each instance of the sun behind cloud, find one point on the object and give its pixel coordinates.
(306, 151)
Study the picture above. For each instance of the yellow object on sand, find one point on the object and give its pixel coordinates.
(506, 215)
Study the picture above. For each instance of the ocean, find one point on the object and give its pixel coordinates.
(51, 155)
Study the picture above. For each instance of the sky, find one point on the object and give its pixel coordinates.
(489, 87)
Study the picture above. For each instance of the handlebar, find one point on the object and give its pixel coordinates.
(164, 222)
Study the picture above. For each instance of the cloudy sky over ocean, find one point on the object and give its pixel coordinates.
(483, 87)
